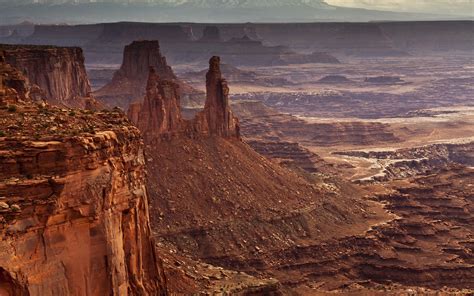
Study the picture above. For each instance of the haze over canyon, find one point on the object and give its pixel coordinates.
(291, 155)
(91, 11)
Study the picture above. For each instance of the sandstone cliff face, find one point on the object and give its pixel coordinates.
(138, 57)
(58, 71)
(74, 207)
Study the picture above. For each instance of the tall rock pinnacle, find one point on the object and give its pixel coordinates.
(219, 117)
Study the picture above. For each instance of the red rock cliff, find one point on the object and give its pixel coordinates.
(74, 207)
(58, 71)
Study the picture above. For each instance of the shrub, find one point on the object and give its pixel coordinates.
(12, 108)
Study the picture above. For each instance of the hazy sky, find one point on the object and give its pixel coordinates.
(464, 7)
(442, 7)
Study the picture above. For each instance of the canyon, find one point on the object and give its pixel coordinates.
(248, 161)
(200, 168)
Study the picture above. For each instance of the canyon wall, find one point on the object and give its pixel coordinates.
(259, 122)
(58, 71)
(74, 206)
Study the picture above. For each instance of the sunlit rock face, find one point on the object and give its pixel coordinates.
(73, 202)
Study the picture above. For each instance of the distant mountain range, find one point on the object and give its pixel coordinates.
(92, 11)
(198, 3)
(252, 3)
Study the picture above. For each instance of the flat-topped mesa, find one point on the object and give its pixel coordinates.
(220, 120)
(58, 71)
(160, 113)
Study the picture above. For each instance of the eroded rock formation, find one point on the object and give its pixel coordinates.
(138, 57)
(73, 203)
(217, 118)
(128, 84)
(160, 113)
(58, 71)
(13, 86)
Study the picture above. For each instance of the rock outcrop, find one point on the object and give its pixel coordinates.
(13, 85)
(159, 116)
(58, 71)
(161, 112)
(128, 84)
(217, 118)
(138, 57)
(73, 203)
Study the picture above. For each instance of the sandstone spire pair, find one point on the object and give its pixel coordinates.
(159, 116)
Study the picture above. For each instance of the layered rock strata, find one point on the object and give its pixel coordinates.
(74, 206)
(288, 127)
(58, 71)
